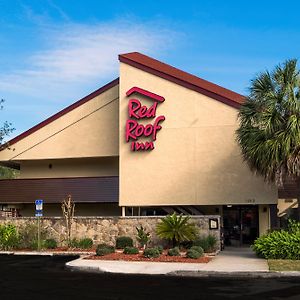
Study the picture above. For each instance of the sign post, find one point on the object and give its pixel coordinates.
(39, 214)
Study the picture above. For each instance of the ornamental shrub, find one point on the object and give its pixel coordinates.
(131, 250)
(193, 254)
(212, 242)
(201, 242)
(50, 244)
(142, 236)
(85, 243)
(174, 251)
(207, 243)
(9, 238)
(198, 249)
(28, 234)
(160, 249)
(176, 228)
(103, 249)
(151, 253)
(281, 244)
(74, 243)
(124, 241)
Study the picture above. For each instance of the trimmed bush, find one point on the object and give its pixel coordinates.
(160, 249)
(50, 244)
(85, 243)
(131, 250)
(193, 254)
(198, 249)
(174, 252)
(124, 241)
(103, 249)
(151, 253)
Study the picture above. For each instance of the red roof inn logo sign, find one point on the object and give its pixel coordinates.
(137, 112)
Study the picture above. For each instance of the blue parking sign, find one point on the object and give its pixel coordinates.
(39, 208)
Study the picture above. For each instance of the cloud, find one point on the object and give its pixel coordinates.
(76, 55)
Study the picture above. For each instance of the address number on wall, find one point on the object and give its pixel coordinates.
(250, 201)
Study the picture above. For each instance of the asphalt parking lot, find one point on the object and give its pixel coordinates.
(45, 277)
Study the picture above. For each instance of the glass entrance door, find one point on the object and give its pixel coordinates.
(240, 224)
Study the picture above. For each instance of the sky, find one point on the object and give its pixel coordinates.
(54, 52)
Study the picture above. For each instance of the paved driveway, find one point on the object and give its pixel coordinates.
(44, 277)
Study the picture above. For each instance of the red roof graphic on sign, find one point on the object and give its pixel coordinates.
(145, 93)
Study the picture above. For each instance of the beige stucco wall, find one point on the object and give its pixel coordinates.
(263, 219)
(77, 167)
(196, 159)
(90, 130)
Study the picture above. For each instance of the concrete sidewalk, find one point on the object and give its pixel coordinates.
(234, 260)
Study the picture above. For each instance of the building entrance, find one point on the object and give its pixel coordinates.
(240, 224)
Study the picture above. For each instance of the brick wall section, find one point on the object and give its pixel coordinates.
(106, 229)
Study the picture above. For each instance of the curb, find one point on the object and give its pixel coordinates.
(257, 274)
(45, 253)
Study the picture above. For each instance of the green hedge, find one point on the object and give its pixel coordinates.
(282, 244)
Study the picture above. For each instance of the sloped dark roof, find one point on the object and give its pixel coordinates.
(182, 78)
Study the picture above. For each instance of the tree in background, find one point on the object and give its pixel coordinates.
(68, 209)
(5, 130)
(269, 132)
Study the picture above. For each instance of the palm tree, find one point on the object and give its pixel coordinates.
(176, 228)
(269, 132)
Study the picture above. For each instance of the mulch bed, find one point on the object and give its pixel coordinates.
(139, 257)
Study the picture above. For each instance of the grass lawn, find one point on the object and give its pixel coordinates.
(284, 265)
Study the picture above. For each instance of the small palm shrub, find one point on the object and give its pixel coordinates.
(281, 244)
(103, 249)
(174, 251)
(151, 253)
(193, 254)
(131, 250)
(143, 237)
(9, 238)
(85, 243)
(50, 244)
(198, 249)
(176, 228)
(124, 241)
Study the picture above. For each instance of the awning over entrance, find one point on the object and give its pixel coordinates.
(54, 190)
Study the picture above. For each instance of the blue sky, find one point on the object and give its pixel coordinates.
(54, 52)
